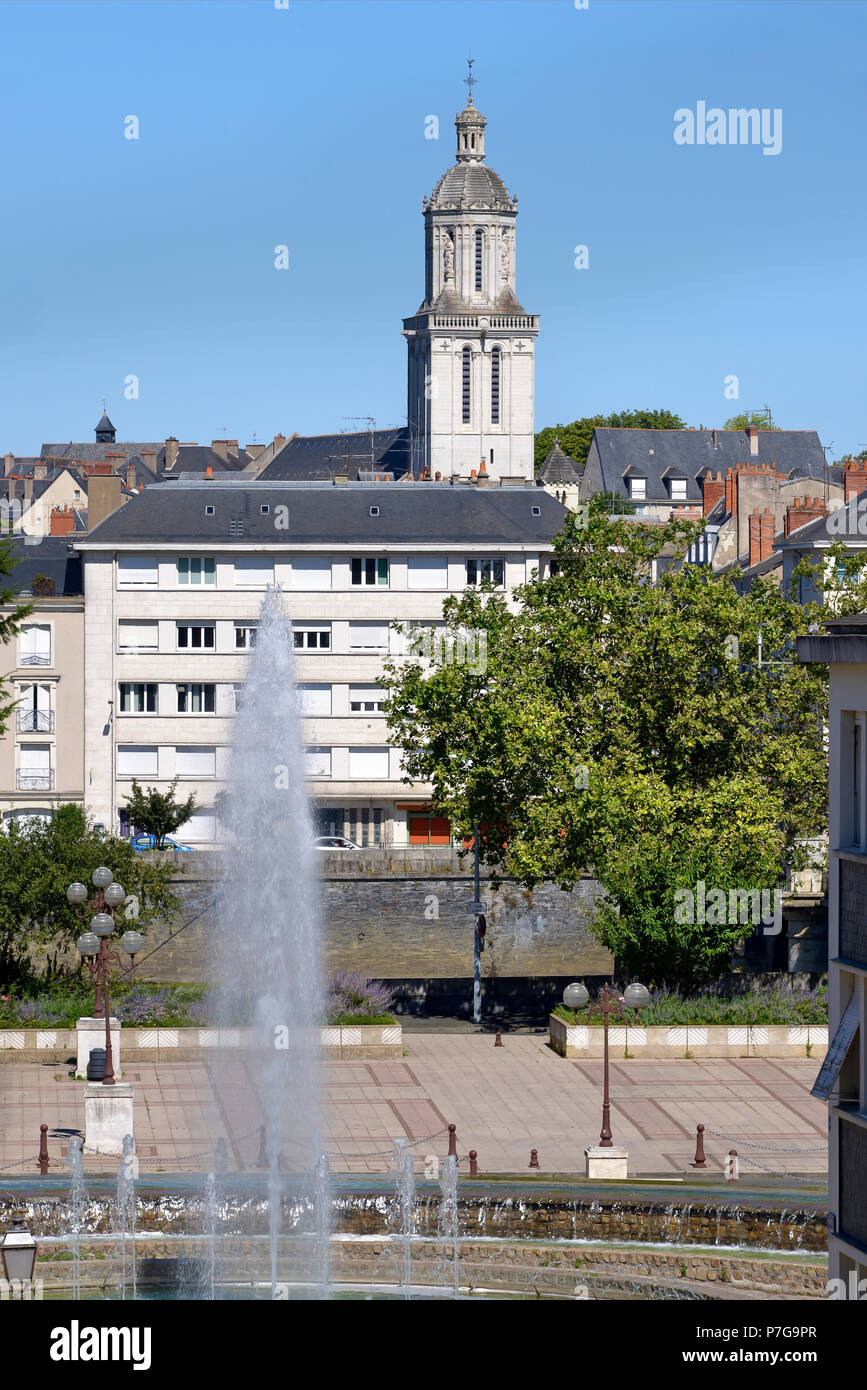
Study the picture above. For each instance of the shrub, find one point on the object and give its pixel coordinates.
(144, 1004)
(353, 994)
(778, 1003)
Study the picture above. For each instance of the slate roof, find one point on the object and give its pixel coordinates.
(817, 532)
(559, 467)
(321, 457)
(196, 458)
(690, 453)
(339, 514)
(95, 453)
(52, 556)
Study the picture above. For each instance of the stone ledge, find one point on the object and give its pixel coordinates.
(695, 1040)
(364, 1041)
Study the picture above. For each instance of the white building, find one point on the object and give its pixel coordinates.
(173, 587)
(843, 1078)
(471, 343)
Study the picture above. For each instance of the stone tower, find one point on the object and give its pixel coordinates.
(470, 343)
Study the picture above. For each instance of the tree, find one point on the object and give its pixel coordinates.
(38, 861)
(158, 813)
(627, 730)
(9, 625)
(575, 439)
(751, 419)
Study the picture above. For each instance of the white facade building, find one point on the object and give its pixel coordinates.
(174, 582)
(471, 343)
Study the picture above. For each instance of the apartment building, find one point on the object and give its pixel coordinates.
(41, 748)
(843, 1077)
(174, 583)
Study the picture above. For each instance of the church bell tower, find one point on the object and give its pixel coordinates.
(471, 343)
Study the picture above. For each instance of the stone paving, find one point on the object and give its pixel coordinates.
(504, 1101)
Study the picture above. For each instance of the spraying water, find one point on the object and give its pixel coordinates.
(448, 1221)
(126, 1211)
(268, 928)
(405, 1174)
(76, 1205)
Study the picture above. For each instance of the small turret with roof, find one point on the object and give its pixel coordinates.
(105, 430)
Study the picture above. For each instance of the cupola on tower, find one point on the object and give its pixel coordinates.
(471, 342)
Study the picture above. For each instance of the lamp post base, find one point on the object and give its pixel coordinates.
(606, 1164)
(91, 1033)
(108, 1117)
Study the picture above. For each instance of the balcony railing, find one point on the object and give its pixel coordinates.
(35, 659)
(34, 781)
(36, 721)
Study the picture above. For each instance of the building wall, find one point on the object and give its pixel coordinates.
(847, 940)
(64, 677)
(225, 605)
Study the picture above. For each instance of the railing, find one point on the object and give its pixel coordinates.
(35, 659)
(494, 320)
(34, 781)
(35, 721)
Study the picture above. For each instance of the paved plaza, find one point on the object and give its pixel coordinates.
(504, 1101)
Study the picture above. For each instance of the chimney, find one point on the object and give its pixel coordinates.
(279, 441)
(715, 444)
(761, 535)
(8, 464)
(149, 459)
(854, 478)
(254, 450)
(731, 491)
(802, 511)
(753, 437)
(10, 489)
(61, 522)
(221, 448)
(713, 488)
(130, 476)
(209, 472)
(39, 471)
(28, 489)
(171, 451)
(103, 498)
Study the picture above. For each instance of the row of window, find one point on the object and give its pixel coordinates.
(200, 697)
(144, 760)
(308, 571)
(466, 385)
(676, 489)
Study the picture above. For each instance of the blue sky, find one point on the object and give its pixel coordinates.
(305, 126)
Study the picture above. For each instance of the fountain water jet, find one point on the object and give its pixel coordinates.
(267, 939)
(76, 1205)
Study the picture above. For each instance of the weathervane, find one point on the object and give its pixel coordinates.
(470, 80)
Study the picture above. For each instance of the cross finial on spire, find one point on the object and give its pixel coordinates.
(103, 405)
(470, 80)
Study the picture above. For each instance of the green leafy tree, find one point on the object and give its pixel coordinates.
(38, 861)
(626, 729)
(158, 813)
(575, 439)
(755, 419)
(10, 623)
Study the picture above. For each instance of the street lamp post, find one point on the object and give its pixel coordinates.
(635, 997)
(94, 947)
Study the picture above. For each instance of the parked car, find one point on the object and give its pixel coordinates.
(334, 842)
(144, 842)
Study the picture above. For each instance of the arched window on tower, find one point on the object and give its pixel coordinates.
(495, 386)
(480, 252)
(466, 370)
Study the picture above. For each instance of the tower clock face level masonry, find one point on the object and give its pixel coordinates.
(471, 342)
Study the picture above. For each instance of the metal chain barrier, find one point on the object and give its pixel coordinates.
(389, 1153)
(764, 1148)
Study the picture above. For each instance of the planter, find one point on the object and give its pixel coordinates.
(362, 1041)
(694, 1040)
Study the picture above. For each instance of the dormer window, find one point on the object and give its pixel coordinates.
(638, 488)
(678, 489)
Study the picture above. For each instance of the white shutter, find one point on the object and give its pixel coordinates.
(311, 572)
(427, 572)
(137, 636)
(253, 572)
(314, 699)
(368, 636)
(35, 757)
(365, 695)
(196, 762)
(137, 572)
(317, 762)
(367, 764)
(35, 645)
(202, 826)
(137, 760)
